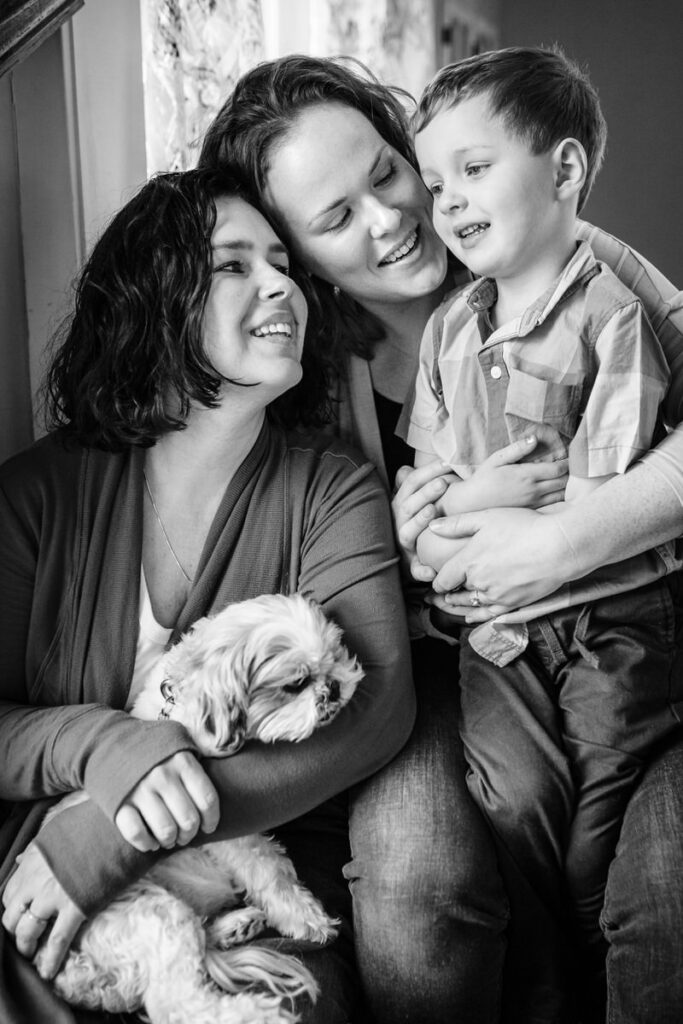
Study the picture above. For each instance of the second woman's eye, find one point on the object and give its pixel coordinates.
(341, 220)
(387, 175)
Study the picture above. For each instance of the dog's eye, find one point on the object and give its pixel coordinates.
(297, 684)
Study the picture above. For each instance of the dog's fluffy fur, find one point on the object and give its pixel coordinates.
(176, 942)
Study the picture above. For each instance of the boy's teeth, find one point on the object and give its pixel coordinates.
(261, 332)
(403, 250)
(473, 229)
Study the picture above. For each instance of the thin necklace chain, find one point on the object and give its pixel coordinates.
(163, 528)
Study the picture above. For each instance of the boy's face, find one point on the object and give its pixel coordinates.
(494, 201)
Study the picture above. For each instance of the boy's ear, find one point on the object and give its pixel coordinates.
(570, 167)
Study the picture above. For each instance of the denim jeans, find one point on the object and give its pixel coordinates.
(429, 908)
(556, 743)
(318, 844)
(643, 913)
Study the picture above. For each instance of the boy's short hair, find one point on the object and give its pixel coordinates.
(542, 96)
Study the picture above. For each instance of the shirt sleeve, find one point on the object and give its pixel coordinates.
(417, 421)
(630, 380)
(348, 564)
(661, 300)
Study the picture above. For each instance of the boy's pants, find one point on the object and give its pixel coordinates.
(556, 742)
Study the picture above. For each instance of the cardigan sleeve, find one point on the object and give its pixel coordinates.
(46, 751)
(345, 559)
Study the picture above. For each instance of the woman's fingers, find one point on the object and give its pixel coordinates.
(53, 950)
(169, 806)
(203, 794)
(39, 913)
(460, 603)
(132, 827)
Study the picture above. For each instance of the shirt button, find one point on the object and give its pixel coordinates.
(496, 372)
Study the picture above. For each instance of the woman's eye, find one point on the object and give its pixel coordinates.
(341, 221)
(387, 177)
(230, 267)
(283, 268)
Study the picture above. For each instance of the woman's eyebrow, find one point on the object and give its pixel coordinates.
(237, 243)
(337, 202)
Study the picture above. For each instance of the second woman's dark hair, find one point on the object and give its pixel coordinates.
(130, 360)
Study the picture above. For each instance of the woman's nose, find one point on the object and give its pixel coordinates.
(383, 219)
(276, 285)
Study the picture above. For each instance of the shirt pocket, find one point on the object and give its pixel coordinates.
(532, 399)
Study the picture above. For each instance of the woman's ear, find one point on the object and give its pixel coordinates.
(571, 167)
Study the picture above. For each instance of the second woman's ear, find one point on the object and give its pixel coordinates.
(571, 167)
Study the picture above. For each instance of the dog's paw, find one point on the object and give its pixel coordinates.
(235, 927)
(305, 918)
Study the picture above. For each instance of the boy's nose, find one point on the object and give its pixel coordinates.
(453, 199)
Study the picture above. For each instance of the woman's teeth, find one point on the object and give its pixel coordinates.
(402, 251)
(266, 329)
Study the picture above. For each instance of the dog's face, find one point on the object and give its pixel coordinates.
(272, 668)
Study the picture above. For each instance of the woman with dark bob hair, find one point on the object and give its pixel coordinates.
(328, 149)
(166, 488)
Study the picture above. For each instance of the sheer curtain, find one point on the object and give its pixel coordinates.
(395, 38)
(193, 52)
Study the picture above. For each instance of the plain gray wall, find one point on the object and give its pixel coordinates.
(633, 51)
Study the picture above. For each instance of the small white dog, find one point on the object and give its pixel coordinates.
(271, 668)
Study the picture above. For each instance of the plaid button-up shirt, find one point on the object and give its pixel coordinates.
(582, 360)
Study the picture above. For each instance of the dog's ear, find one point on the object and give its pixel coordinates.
(223, 695)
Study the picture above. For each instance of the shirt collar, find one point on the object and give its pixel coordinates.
(581, 267)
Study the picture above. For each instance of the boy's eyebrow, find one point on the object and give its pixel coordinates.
(337, 202)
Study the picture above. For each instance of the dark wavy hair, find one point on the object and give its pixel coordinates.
(259, 114)
(542, 96)
(129, 361)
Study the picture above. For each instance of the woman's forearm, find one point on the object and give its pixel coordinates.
(629, 514)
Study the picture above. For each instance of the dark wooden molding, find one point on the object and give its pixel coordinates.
(25, 24)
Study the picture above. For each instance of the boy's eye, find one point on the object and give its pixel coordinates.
(436, 189)
(475, 170)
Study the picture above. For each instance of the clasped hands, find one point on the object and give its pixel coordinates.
(509, 552)
(167, 808)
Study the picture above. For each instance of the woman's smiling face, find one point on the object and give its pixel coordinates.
(358, 214)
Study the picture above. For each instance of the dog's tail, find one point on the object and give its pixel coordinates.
(256, 967)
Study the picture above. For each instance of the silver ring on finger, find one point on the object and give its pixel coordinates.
(475, 600)
(29, 913)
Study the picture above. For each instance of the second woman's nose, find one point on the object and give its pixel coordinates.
(383, 219)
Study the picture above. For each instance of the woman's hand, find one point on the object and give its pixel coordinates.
(169, 805)
(513, 557)
(413, 507)
(39, 914)
(502, 480)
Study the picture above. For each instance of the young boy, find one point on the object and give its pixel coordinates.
(563, 701)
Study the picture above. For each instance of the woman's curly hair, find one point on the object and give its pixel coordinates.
(130, 360)
(259, 114)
